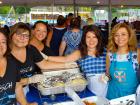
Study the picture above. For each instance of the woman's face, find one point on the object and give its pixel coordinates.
(3, 44)
(91, 40)
(40, 32)
(21, 39)
(121, 37)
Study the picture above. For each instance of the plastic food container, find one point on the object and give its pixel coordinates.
(69, 77)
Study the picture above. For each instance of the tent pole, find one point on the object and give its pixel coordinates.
(109, 15)
(74, 6)
(53, 11)
(12, 8)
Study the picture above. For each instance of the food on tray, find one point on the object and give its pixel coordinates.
(59, 84)
(89, 103)
(77, 81)
(54, 84)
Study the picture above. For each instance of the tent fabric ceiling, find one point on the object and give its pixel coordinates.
(70, 2)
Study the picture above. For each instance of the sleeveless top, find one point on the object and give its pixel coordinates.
(56, 39)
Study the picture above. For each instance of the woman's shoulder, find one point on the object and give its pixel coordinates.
(109, 55)
(134, 55)
(30, 47)
(68, 32)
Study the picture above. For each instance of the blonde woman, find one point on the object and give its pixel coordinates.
(90, 21)
(122, 61)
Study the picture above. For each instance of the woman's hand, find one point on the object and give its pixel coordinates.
(36, 78)
(71, 65)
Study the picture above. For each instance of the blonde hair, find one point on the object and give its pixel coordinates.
(132, 42)
(90, 21)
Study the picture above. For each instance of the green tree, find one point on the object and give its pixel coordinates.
(22, 9)
(5, 9)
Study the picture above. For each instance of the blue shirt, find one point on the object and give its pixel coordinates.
(72, 40)
(93, 65)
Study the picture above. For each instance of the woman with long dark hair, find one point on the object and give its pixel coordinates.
(91, 58)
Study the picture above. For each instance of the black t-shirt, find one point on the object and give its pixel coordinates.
(27, 68)
(46, 50)
(8, 84)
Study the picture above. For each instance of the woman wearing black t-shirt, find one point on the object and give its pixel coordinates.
(39, 34)
(10, 88)
(27, 56)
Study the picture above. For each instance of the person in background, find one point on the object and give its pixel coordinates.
(90, 21)
(71, 38)
(11, 90)
(91, 58)
(114, 22)
(122, 61)
(55, 36)
(82, 22)
(68, 19)
(27, 56)
(7, 29)
(39, 34)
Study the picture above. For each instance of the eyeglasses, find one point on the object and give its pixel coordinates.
(26, 36)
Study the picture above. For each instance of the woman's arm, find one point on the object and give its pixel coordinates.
(60, 61)
(107, 64)
(24, 81)
(33, 79)
(20, 94)
(62, 48)
(68, 58)
(45, 65)
(21, 99)
(138, 52)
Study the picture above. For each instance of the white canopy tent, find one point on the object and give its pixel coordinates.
(107, 3)
(71, 2)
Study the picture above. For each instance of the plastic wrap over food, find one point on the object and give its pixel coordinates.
(55, 82)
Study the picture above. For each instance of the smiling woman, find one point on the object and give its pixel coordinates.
(23, 35)
(91, 58)
(122, 61)
(27, 56)
(10, 88)
(39, 35)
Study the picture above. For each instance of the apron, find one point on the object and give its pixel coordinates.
(96, 86)
(123, 78)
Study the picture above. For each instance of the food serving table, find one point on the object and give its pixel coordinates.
(35, 96)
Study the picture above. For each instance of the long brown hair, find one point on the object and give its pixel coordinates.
(83, 45)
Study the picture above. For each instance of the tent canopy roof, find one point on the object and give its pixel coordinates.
(70, 2)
